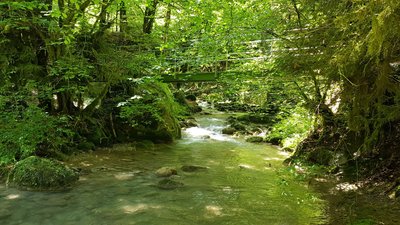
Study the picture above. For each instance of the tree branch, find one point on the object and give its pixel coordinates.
(298, 13)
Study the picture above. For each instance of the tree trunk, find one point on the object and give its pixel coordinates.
(167, 22)
(123, 22)
(149, 17)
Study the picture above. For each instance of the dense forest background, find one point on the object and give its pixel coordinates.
(76, 74)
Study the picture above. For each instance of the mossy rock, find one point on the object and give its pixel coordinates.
(228, 130)
(255, 139)
(274, 140)
(188, 123)
(166, 172)
(238, 126)
(39, 174)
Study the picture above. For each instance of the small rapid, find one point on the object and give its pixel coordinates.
(243, 184)
(209, 128)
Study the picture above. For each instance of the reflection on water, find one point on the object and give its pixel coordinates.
(240, 186)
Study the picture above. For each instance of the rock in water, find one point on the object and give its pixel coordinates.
(168, 184)
(166, 172)
(228, 130)
(39, 174)
(255, 139)
(191, 168)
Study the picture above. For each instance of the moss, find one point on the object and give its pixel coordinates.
(228, 130)
(39, 174)
(255, 139)
(274, 140)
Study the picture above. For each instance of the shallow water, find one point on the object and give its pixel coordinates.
(242, 185)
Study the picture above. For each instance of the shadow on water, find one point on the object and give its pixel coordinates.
(243, 184)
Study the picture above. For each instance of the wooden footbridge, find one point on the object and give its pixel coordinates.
(207, 76)
(227, 65)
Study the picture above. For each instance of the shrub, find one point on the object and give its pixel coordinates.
(292, 129)
(152, 111)
(26, 130)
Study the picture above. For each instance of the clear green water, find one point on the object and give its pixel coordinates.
(242, 185)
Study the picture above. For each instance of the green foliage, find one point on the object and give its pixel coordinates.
(293, 128)
(27, 130)
(153, 107)
(142, 113)
(364, 222)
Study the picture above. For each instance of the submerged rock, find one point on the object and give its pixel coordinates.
(5, 213)
(192, 168)
(166, 172)
(255, 139)
(39, 174)
(168, 184)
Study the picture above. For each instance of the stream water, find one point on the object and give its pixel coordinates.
(243, 184)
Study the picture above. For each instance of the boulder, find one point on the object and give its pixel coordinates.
(255, 139)
(238, 126)
(287, 149)
(188, 123)
(166, 172)
(228, 130)
(258, 118)
(168, 184)
(192, 168)
(40, 174)
(274, 140)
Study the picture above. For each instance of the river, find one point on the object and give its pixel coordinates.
(244, 184)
